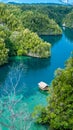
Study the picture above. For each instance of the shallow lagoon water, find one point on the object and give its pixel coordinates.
(29, 71)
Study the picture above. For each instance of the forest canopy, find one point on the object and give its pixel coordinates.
(40, 23)
(20, 25)
(58, 114)
(18, 40)
(68, 20)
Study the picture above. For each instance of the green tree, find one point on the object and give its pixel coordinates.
(40, 23)
(3, 53)
(68, 20)
(28, 43)
(59, 112)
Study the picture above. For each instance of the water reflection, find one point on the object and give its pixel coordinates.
(51, 39)
(31, 62)
(20, 74)
(69, 34)
(44, 92)
(12, 81)
(3, 73)
(15, 83)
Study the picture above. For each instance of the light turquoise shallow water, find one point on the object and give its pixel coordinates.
(29, 71)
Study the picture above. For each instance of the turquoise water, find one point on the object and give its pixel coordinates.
(25, 72)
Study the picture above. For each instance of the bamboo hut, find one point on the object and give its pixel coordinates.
(43, 86)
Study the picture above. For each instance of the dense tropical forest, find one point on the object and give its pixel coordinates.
(58, 114)
(68, 21)
(40, 23)
(21, 25)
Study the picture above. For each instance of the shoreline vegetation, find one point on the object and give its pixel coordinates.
(68, 20)
(58, 112)
(22, 24)
(20, 27)
(40, 23)
(20, 30)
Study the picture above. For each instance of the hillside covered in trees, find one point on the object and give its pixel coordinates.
(20, 28)
(16, 40)
(58, 114)
(40, 23)
(19, 24)
(68, 20)
(55, 12)
(3, 52)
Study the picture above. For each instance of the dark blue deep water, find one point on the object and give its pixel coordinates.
(25, 72)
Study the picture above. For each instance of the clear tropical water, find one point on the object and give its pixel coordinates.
(25, 72)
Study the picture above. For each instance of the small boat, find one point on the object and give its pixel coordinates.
(43, 86)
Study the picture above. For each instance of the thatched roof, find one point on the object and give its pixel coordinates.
(42, 85)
